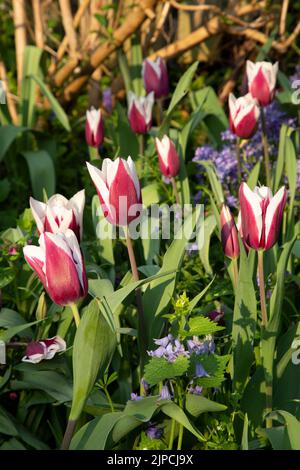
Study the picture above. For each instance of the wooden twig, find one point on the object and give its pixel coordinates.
(20, 37)
(67, 19)
(185, 7)
(284, 10)
(11, 105)
(129, 26)
(212, 28)
(82, 8)
(38, 23)
(161, 21)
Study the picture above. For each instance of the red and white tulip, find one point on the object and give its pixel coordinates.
(94, 128)
(155, 76)
(243, 115)
(36, 351)
(118, 189)
(261, 215)
(262, 78)
(229, 233)
(140, 112)
(59, 264)
(59, 213)
(169, 161)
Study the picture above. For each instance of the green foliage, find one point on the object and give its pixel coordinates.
(159, 369)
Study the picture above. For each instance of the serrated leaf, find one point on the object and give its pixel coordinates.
(201, 326)
(214, 365)
(159, 369)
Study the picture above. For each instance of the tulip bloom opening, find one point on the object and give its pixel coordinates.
(118, 189)
(243, 115)
(59, 213)
(140, 112)
(36, 351)
(262, 78)
(261, 215)
(229, 234)
(155, 76)
(58, 262)
(94, 128)
(169, 162)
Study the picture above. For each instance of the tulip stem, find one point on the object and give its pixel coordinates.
(159, 112)
(238, 160)
(68, 434)
(175, 191)
(265, 144)
(94, 154)
(261, 278)
(141, 144)
(235, 272)
(75, 312)
(139, 301)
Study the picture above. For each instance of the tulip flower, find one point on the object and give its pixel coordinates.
(261, 215)
(118, 189)
(94, 129)
(59, 213)
(229, 234)
(168, 157)
(140, 112)
(262, 78)
(243, 115)
(36, 351)
(155, 76)
(58, 262)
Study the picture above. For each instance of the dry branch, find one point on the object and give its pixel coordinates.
(38, 23)
(11, 105)
(212, 28)
(20, 37)
(132, 23)
(67, 19)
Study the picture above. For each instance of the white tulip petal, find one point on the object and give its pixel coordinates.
(99, 182)
(38, 210)
(133, 174)
(272, 208)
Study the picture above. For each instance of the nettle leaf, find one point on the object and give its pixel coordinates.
(213, 364)
(159, 369)
(201, 326)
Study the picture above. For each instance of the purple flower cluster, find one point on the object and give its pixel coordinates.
(206, 346)
(197, 390)
(154, 432)
(224, 158)
(169, 348)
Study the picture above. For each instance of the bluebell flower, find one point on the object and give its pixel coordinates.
(169, 348)
(135, 397)
(154, 432)
(197, 390)
(200, 371)
(165, 393)
(205, 346)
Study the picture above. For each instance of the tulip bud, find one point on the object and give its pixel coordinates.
(118, 189)
(155, 76)
(261, 215)
(36, 351)
(140, 112)
(243, 115)
(262, 78)
(41, 310)
(58, 262)
(229, 234)
(59, 213)
(94, 129)
(169, 162)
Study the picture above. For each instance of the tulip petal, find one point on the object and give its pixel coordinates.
(35, 257)
(76, 203)
(251, 214)
(63, 284)
(130, 166)
(273, 217)
(38, 210)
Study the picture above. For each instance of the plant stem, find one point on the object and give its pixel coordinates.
(172, 433)
(109, 400)
(238, 160)
(94, 154)
(265, 144)
(262, 292)
(75, 312)
(139, 301)
(141, 144)
(68, 434)
(235, 272)
(175, 190)
(180, 403)
(159, 112)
